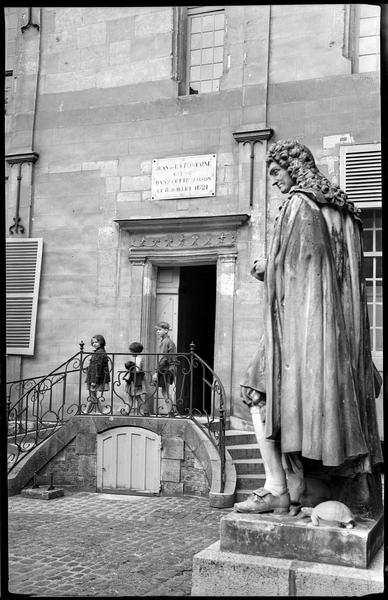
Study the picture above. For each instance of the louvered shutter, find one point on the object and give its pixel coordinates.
(360, 168)
(23, 264)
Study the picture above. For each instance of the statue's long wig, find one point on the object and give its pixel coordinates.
(300, 164)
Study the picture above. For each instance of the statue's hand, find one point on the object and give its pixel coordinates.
(258, 268)
(255, 398)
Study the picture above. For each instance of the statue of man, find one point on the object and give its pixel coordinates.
(311, 386)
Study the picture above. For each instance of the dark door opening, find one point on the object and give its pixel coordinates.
(196, 323)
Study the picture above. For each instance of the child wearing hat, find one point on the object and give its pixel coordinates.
(135, 378)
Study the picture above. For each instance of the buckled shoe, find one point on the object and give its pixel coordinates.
(262, 500)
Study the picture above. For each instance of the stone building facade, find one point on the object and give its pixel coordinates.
(96, 95)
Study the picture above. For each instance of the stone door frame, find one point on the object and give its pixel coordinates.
(165, 242)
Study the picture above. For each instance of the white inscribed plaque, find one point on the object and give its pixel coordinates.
(183, 177)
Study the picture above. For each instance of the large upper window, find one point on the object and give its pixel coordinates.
(361, 179)
(367, 46)
(205, 59)
(373, 271)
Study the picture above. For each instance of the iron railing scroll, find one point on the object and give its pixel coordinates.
(179, 385)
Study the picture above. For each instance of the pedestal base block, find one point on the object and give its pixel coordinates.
(287, 537)
(217, 573)
(42, 493)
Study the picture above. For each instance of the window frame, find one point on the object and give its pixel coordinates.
(370, 205)
(352, 38)
(193, 11)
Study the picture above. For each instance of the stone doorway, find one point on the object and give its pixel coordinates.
(191, 245)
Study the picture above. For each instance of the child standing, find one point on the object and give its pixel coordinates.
(97, 372)
(135, 378)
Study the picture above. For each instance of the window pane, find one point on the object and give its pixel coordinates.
(195, 73)
(219, 21)
(379, 339)
(367, 219)
(368, 63)
(216, 85)
(379, 291)
(208, 23)
(368, 45)
(379, 315)
(217, 72)
(207, 39)
(219, 54)
(369, 290)
(379, 240)
(196, 24)
(196, 41)
(194, 87)
(377, 213)
(368, 268)
(379, 266)
(195, 57)
(218, 38)
(367, 10)
(368, 240)
(206, 86)
(368, 26)
(206, 72)
(207, 56)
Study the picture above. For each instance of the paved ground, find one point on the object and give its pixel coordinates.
(89, 544)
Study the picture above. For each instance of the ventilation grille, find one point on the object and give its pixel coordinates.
(23, 262)
(363, 175)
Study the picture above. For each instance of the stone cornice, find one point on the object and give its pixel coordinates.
(23, 157)
(252, 135)
(182, 224)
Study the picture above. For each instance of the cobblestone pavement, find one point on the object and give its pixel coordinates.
(90, 544)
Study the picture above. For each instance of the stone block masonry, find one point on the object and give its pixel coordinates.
(184, 466)
(217, 573)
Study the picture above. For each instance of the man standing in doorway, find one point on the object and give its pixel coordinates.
(166, 371)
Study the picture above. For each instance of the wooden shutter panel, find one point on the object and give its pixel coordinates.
(361, 173)
(23, 264)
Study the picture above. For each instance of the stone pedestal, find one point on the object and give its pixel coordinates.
(283, 536)
(42, 493)
(282, 555)
(217, 573)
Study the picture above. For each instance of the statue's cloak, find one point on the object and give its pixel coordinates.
(314, 361)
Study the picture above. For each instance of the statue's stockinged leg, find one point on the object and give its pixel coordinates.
(274, 495)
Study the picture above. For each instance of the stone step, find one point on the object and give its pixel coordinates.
(250, 481)
(244, 451)
(248, 465)
(236, 437)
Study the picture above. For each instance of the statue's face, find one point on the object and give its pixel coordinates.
(280, 177)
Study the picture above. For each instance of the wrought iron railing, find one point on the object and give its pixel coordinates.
(181, 386)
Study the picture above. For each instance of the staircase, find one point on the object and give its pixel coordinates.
(245, 453)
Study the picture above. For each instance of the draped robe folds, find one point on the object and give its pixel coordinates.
(314, 361)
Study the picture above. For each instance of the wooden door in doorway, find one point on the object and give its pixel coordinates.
(167, 299)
